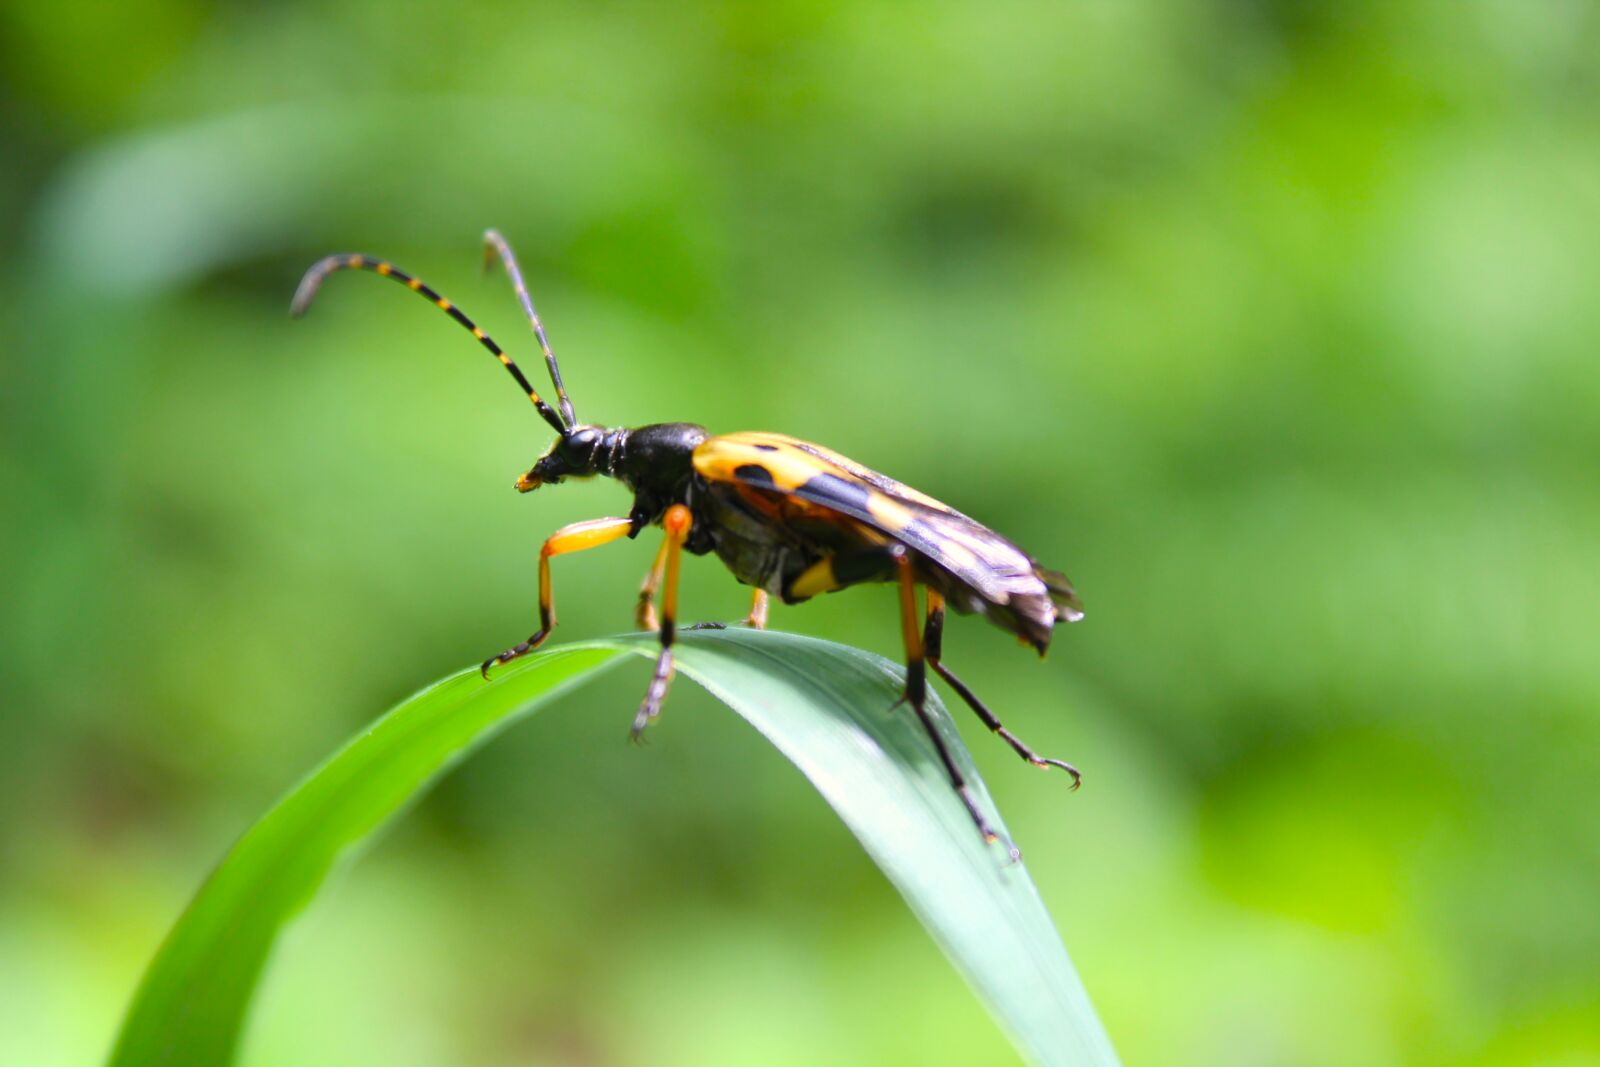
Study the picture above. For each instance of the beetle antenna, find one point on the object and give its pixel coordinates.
(322, 268)
(494, 242)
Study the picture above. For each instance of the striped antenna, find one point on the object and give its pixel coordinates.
(494, 243)
(322, 268)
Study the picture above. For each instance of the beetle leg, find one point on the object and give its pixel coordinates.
(917, 693)
(933, 645)
(645, 613)
(575, 538)
(677, 522)
(758, 610)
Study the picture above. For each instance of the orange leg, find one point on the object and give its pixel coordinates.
(757, 619)
(574, 538)
(676, 522)
(917, 691)
(645, 613)
(933, 646)
(758, 610)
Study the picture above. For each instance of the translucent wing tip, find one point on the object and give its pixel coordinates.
(1068, 607)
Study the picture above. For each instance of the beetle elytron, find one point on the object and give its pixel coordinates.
(787, 517)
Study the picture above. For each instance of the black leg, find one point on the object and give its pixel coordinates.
(917, 694)
(933, 642)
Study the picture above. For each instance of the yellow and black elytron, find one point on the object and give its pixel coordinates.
(789, 518)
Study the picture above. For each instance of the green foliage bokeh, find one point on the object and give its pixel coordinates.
(1269, 323)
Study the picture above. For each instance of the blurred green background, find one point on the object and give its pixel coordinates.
(1273, 324)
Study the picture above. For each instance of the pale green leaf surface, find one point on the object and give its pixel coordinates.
(825, 706)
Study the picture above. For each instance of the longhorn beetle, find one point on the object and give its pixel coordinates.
(790, 518)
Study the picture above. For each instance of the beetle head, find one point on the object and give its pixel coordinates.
(578, 453)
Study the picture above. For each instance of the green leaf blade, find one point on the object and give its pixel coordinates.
(190, 1007)
(825, 706)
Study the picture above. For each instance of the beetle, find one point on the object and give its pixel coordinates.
(789, 518)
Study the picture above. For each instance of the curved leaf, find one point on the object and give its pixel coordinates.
(825, 706)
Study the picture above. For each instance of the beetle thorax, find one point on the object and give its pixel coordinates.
(656, 459)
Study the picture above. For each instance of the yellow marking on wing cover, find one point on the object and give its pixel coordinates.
(791, 463)
(893, 511)
(816, 455)
(890, 512)
(717, 458)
